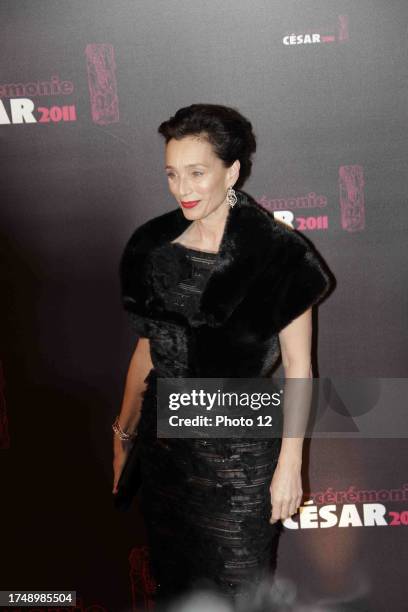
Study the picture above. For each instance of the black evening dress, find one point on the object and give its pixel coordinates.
(205, 502)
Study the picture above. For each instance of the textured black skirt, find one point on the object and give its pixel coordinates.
(206, 505)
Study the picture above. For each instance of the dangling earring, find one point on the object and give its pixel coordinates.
(231, 197)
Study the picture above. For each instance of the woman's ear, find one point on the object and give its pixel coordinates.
(233, 173)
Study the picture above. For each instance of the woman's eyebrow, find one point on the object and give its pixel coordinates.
(189, 166)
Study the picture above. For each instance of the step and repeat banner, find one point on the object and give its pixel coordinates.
(83, 88)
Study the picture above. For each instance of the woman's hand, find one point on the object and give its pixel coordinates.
(286, 491)
(121, 450)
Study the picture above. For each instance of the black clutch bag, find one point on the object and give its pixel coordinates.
(130, 480)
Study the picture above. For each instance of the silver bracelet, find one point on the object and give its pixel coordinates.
(119, 431)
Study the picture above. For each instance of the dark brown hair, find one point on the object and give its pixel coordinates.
(230, 133)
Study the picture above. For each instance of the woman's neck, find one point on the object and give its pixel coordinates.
(207, 233)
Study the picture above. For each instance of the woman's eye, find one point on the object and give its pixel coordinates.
(195, 173)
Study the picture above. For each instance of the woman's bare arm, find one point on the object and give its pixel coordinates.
(286, 486)
(139, 367)
(295, 341)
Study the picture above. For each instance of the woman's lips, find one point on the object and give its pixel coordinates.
(190, 204)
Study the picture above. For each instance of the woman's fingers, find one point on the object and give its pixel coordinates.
(298, 503)
(118, 463)
(293, 508)
(283, 509)
(295, 505)
(276, 512)
(117, 470)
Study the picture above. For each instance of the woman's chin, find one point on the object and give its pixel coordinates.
(192, 213)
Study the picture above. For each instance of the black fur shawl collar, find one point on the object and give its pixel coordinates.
(265, 274)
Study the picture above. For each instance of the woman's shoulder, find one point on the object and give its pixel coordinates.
(154, 229)
(272, 237)
(144, 251)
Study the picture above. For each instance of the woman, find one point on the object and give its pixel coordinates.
(215, 288)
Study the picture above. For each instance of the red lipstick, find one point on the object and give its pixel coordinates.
(190, 204)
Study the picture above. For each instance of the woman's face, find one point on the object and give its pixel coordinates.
(196, 173)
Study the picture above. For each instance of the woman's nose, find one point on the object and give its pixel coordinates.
(184, 186)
